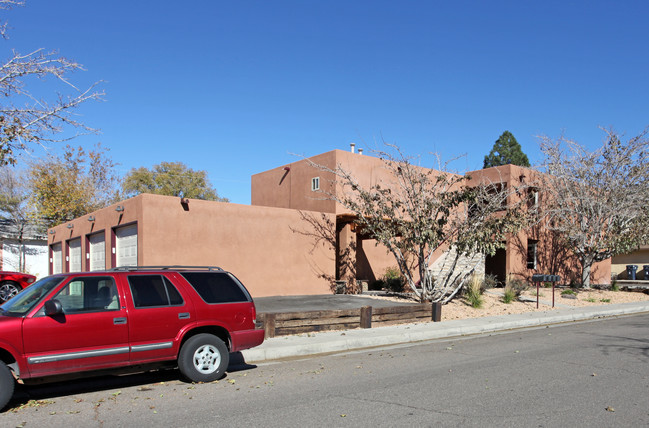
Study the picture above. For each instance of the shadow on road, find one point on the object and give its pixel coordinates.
(25, 393)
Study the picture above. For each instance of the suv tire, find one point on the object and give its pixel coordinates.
(203, 358)
(7, 384)
(8, 289)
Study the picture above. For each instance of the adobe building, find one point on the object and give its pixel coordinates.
(289, 241)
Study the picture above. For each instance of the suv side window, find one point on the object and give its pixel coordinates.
(217, 287)
(89, 294)
(153, 290)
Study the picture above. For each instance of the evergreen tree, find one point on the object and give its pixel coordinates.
(506, 150)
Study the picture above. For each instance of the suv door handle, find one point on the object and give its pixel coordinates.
(183, 316)
(118, 321)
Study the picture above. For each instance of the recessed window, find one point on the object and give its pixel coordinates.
(532, 255)
(315, 183)
(533, 198)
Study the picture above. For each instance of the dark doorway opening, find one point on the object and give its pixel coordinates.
(496, 265)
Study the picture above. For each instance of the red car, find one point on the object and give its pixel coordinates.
(125, 318)
(12, 282)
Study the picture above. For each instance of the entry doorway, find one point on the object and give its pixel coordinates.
(496, 265)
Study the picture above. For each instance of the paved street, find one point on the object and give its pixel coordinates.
(582, 374)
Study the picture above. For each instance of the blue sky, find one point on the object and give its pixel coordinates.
(239, 87)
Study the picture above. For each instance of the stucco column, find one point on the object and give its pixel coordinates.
(346, 255)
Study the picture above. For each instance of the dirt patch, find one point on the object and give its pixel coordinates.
(493, 304)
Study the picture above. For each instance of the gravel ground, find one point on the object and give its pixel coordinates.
(493, 304)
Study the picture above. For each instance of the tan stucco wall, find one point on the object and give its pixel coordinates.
(291, 188)
(255, 243)
(105, 220)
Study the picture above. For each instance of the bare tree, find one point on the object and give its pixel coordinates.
(27, 119)
(597, 200)
(421, 212)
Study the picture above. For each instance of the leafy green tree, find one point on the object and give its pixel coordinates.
(74, 184)
(27, 117)
(505, 151)
(170, 178)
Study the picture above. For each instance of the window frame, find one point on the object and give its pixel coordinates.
(166, 283)
(532, 254)
(315, 184)
(84, 295)
(235, 282)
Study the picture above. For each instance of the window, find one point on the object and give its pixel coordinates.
(153, 290)
(498, 193)
(89, 295)
(533, 198)
(532, 253)
(315, 184)
(216, 287)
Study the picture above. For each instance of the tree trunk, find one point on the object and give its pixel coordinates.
(587, 264)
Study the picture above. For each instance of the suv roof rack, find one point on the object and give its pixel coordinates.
(172, 267)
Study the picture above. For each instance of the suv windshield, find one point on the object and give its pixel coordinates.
(24, 301)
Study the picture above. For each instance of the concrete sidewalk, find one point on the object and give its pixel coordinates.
(338, 341)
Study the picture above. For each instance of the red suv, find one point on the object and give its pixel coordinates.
(12, 282)
(73, 323)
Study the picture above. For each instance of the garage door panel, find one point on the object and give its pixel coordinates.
(97, 251)
(126, 245)
(74, 254)
(57, 259)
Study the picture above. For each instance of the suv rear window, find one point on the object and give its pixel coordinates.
(217, 287)
(153, 290)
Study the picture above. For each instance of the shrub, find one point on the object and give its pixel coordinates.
(393, 280)
(490, 281)
(473, 291)
(569, 292)
(615, 286)
(509, 295)
(605, 300)
(591, 300)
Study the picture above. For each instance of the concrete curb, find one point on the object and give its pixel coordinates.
(339, 341)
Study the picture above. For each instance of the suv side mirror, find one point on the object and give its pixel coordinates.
(53, 307)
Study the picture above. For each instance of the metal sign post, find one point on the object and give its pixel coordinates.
(538, 278)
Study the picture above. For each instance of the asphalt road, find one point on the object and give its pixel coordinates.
(591, 374)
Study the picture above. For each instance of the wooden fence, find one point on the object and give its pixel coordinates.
(285, 323)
